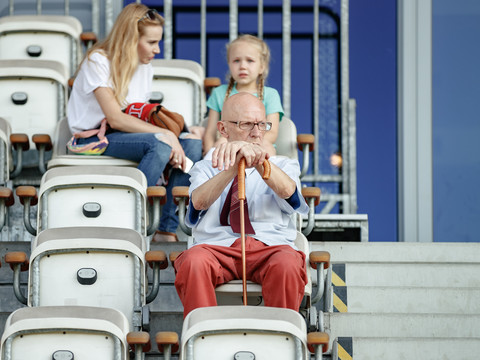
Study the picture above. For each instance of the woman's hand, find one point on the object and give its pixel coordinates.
(177, 155)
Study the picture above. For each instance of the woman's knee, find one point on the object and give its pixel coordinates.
(193, 149)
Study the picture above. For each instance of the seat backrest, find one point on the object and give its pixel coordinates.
(287, 139)
(226, 332)
(33, 95)
(41, 37)
(77, 331)
(92, 266)
(92, 196)
(179, 85)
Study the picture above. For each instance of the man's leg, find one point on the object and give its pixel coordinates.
(281, 272)
(199, 270)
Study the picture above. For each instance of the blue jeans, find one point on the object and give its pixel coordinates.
(152, 157)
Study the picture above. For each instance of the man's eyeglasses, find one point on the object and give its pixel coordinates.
(247, 125)
(151, 15)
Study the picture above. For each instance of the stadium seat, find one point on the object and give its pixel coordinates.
(93, 196)
(33, 97)
(43, 37)
(246, 332)
(70, 332)
(90, 266)
(174, 83)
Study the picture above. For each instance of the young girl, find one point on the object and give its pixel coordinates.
(115, 73)
(248, 59)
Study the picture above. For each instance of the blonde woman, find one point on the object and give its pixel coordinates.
(248, 59)
(116, 72)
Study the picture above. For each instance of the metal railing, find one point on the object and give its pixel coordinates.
(339, 193)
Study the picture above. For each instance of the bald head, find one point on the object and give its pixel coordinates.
(240, 105)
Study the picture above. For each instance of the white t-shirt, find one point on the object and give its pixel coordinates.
(84, 111)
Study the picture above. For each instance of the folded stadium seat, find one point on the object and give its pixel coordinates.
(43, 37)
(175, 81)
(90, 266)
(70, 332)
(247, 332)
(33, 97)
(93, 196)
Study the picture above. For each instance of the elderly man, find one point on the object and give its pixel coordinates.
(215, 256)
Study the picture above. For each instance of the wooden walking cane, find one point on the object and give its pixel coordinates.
(241, 197)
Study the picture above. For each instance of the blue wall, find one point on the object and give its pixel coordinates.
(373, 84)
(456, 125)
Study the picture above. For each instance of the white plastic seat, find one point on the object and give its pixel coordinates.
(86, 196)
(68, 332)
(178, 85)
(92, 266)
(42, 37)
(62, 157)
(33, 95)
(243, 332)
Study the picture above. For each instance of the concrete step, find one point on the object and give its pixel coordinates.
(412, 274)
(400, 252)
(373, 325)
(364, 348)
(386, 299)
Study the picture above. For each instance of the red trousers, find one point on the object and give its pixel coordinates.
(279, 269)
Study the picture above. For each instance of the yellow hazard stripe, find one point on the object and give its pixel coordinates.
(339, 304)
(343, 354)
(337, 280)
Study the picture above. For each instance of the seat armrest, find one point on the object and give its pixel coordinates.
(88, 38)
(17, 258)
(156, 196)
(42, 140)
(317, 341)
(27, 193)
(181, 198)
(156, 256)
(139, 341)
(20, 141)
(211, 82)
(319, 257)
(167, 341)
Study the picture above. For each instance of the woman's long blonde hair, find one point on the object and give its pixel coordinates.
(121, 46)
(264, 52)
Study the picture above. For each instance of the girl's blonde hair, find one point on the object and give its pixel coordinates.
(121, 45)
(264, 52)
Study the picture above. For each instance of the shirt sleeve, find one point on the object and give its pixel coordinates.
(215, 101)
(296, 203)
(96, 73)
(272, 102)
(198, 175)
